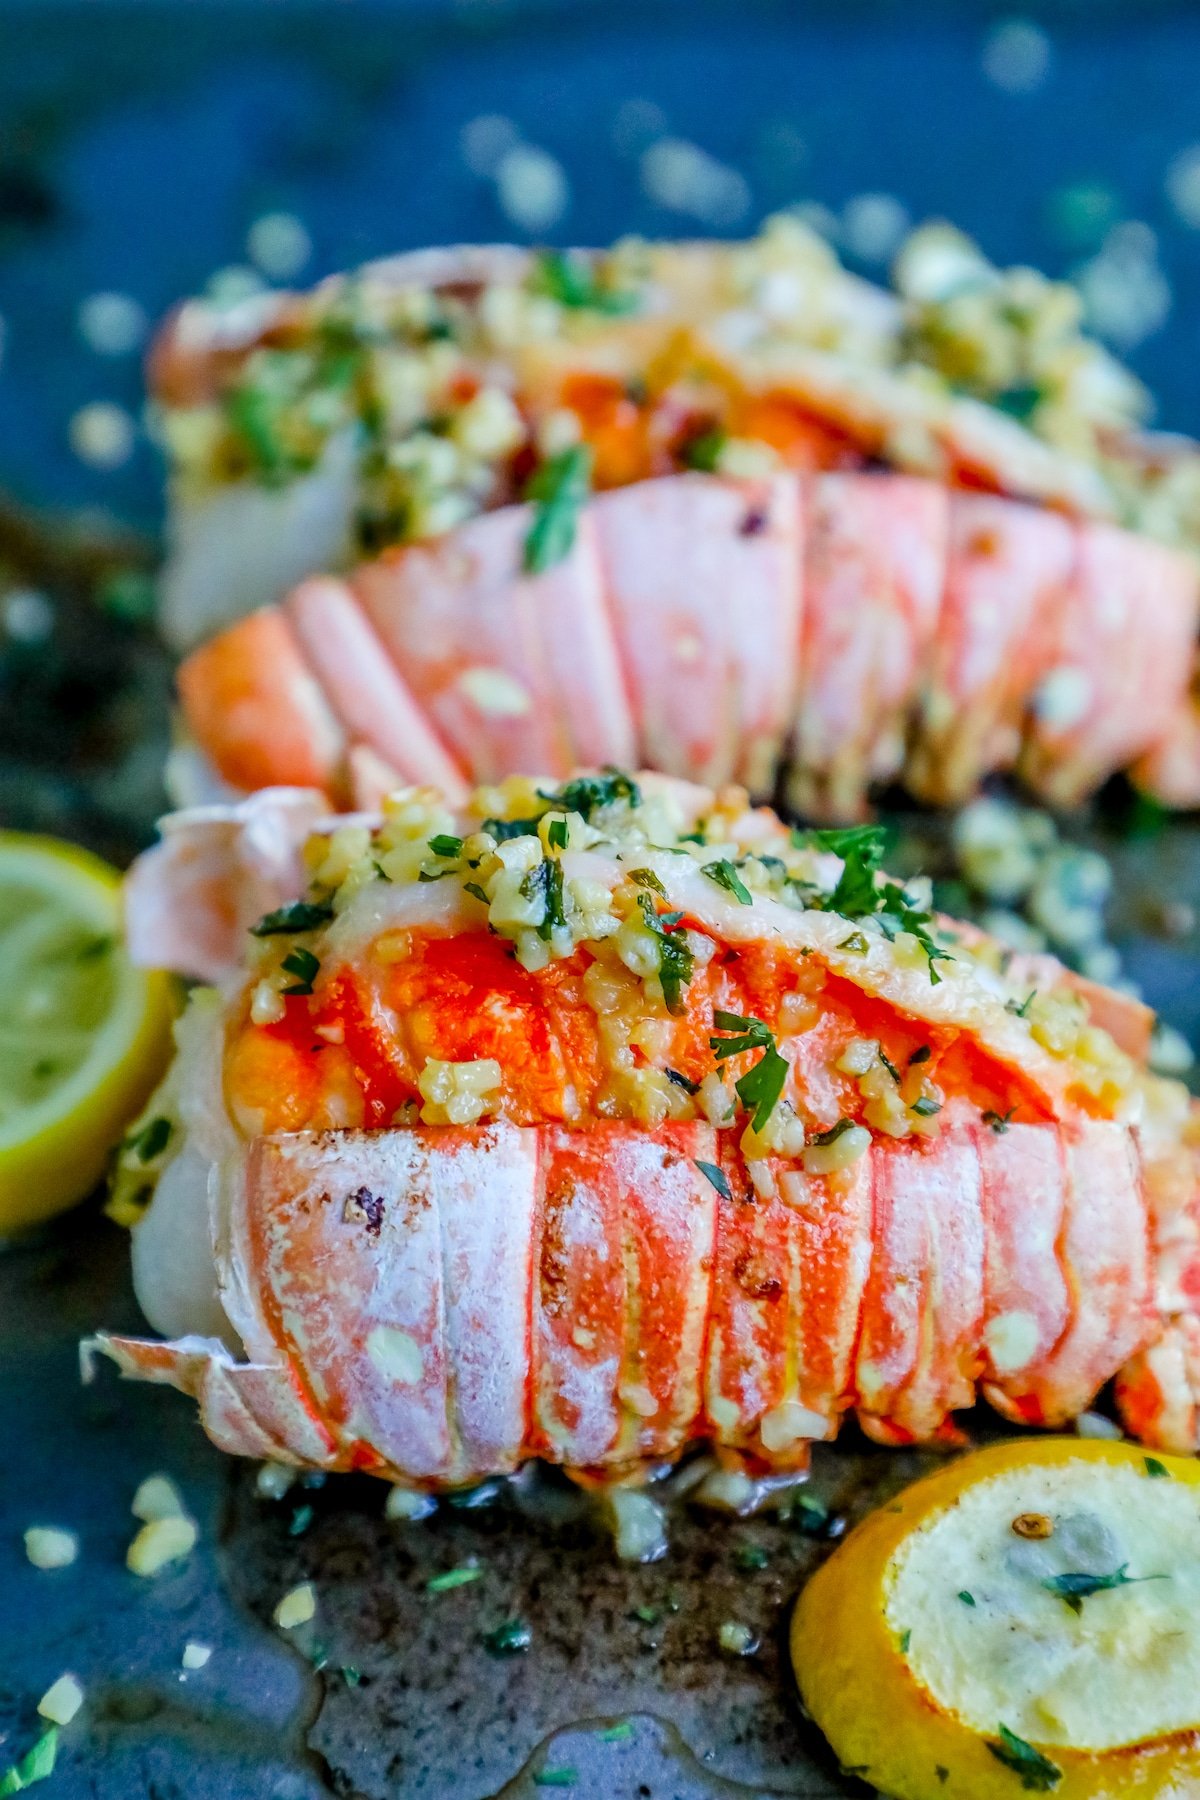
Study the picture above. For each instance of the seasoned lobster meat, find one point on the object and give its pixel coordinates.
(590, 1123)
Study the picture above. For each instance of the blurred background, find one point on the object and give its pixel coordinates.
(150, 150)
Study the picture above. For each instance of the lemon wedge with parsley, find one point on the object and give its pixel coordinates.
(83, 1034)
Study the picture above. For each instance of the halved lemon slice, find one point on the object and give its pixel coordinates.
(83, 1034)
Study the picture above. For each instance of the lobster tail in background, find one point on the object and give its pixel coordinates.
(849, 628)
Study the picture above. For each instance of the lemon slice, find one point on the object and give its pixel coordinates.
(83, 1034)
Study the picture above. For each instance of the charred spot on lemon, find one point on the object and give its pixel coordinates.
(83, 1034)
(946, 1649)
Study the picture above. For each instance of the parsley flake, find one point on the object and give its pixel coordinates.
(675, 960)
(587, 792)
(453, 1578)
(1038, 1774)
(445, 845)
(37, 1764)
(556, 834)
(833, 1134)
(682, 1081)
(717, 1177)
(999, 1122)
(726, 876)
(567, 276)
(301, 915)
(1076, 1588)
(476, 892)
(760, 1087)
(545, 880)
(558, 490)
(703, 450)
(1155, 1469)
(151, 1140)
(512, 1638)
(305, 967)
(648, 879)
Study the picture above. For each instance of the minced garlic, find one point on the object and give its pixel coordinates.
(297, 1607)
(161, 1542)
(61, 1701)
(50, 1547)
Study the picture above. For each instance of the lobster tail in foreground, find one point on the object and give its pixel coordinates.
(593, 1123)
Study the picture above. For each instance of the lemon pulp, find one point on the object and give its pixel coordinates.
(83, 1034)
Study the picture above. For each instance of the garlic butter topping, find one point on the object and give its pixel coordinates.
(643, 888)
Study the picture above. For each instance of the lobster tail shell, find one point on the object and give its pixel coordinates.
(438, 1304)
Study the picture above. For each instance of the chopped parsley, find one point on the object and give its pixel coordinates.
(808, 1514)
(504, 829)
(1155, 1469)
(833, 1134)
(890, 1066)
(703, 450)
(859, 896)
(511, 1638)
(648, 879)
(999, 1122)
(619, 1733)
(305, 967)
(1075, 1589)
(682, 1081)
(37, 1764)
(151, 1140)
(675, 961)
(856, 943)
(717, 1177)
(476, 892)
(545, 881)
(587, 792)
(301, 915)
(726, 876)
(453, 1578)
(558, 489)
(567, 276)
(862, 849)
(967, 1599)
(920, 1056)
(905, 1641)
(925, 1107)
(897, 913)
(300, 1521)
(257, 414)
(1038, 1774)
(562, 1777)
(445, 845)
(1019, 1012)
(556, 834)
(750, 1557)
(760, 1087)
